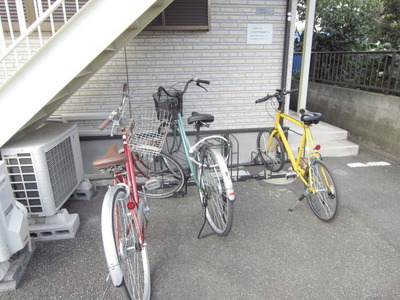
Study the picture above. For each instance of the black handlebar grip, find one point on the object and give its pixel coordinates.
(203, 81)
(262, 99)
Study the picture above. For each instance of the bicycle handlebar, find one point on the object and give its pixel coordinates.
(198, 81)
(116, 112)
(278, 95)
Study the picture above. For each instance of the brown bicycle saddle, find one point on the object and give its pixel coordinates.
(111, 158)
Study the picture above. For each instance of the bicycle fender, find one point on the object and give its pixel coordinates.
(203, 140)
(108, 236)
(229, 192)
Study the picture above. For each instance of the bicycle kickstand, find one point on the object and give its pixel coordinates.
(300, 199)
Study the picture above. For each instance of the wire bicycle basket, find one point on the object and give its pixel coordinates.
(147, 130)
(172, 104)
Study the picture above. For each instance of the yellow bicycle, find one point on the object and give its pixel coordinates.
(273, 148)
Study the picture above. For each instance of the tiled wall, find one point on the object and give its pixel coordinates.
(239, 72)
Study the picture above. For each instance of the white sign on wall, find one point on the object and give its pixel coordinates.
(259, 34)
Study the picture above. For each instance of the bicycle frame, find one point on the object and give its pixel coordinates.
(127, 179)
(186, 146)
(306, 143)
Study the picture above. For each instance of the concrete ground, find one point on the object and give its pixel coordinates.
(269, 254)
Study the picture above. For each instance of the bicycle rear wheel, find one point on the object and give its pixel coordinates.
(126, 257)
(273, 157)
(324, 202)
(214, 186)
(164, 170)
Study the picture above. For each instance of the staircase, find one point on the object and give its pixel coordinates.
(332, 139)
(68, 59)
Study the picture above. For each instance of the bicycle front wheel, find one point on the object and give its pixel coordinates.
(323, 196)
(215, 185)
(126, 257)
(164, 170)
(272, 154)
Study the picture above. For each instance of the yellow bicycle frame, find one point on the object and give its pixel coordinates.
(306, 144)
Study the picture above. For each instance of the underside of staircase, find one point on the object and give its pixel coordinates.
(72, 56)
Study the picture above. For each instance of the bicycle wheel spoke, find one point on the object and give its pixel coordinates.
(323, 198)
(164, 171)
(219, 210)
(271, 151)
(132, 255)
(216, 207)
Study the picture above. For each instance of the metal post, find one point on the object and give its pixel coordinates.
(305, 63)
(289, 46)
(391, 71)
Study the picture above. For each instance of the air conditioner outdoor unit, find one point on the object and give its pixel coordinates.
(45, 168)
(14, 232)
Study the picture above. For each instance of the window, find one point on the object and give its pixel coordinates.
(179, 15)
(183, 15)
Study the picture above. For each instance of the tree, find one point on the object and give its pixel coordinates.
(390, 23)
(343, 25)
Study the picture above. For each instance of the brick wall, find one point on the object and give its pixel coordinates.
(239, 72)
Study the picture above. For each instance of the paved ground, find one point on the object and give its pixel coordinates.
(270, 253)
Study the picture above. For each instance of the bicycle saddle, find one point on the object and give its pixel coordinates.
(309, 117)
(111, 158)
(203, 118)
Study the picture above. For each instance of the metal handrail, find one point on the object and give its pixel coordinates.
(10, 56)
(372, 70)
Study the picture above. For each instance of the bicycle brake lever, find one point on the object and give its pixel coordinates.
(115, 122)
(198, 84)
(130, 94)
(112, 129)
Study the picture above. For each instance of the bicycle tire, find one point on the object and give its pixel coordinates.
(127, 260)
(325, 202)
(214, 186)
(165, 169)
(173, 143)
(274, 157)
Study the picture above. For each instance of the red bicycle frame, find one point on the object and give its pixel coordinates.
(128, 178)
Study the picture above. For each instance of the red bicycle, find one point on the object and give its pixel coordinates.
(124, 213)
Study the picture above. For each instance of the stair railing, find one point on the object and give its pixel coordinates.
(19, 42)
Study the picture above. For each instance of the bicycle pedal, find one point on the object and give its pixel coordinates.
(152, 184)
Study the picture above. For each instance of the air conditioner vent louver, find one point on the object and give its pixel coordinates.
(61, 167)
(23, 181)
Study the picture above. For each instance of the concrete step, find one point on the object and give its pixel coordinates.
(339, 149)
(321, 135)
(332, 139)
(333, 148)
